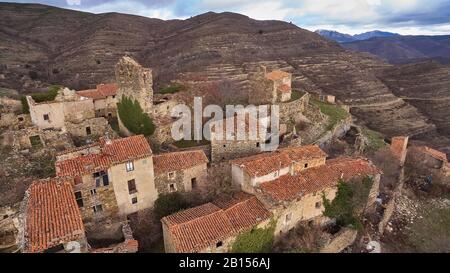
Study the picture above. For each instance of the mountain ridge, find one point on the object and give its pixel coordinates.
(41, 46)
(346, 38)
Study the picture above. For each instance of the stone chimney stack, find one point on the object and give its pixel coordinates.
(399, 147)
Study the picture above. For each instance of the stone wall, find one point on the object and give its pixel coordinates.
(263, 90)
(389, 208)
(89, 128)
(290, 110)
(222, 150)
(341, 241)
(145, 193)
(338, 131)
(104, 196)
(135, 82)
(22, 139)
(305, 208)
(182, 179)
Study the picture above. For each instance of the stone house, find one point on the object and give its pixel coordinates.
(113, 178)
(68, 107)
(230, 144)
(180, 171)
(290, 182)
(297, 198)
(52, 221)
(249, 172)
(104, 98)
(213, 227)
(429, 158)
(270, 88)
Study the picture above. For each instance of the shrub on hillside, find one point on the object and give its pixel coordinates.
(50, 95)
(257, 240)
(134, 118)
(169, 203)
(350, 198)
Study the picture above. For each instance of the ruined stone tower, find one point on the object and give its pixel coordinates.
(135, 82)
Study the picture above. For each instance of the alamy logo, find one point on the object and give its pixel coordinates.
(238, 123)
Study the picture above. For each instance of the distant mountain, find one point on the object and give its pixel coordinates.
(406, 49)
(335, 36)
(374, 34)
(346, 38)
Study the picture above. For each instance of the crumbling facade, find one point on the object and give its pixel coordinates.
(104, 98)
(270, 88)
(180, 171)
(68, 107)
(231, 144)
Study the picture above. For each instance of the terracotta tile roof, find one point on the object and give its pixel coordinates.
(284, 88)
(113, 152)
(194, 229)
(304, 153)
(277, 75)
(317, 179)
(52, 215)
(176, 161)
(433, 153)
(264, 164)
(129, 246)
(101, 92)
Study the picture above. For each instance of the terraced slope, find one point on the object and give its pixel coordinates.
(40, 45)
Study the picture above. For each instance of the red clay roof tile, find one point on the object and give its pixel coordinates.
(267, 163)
(113, 152)
(52, 215)
(176, 161)
(101, 92)
(194, 229)
(317, 179)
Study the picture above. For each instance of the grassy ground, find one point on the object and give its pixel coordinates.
(296, 95)
(5, 92)
(190, 143)
(375, 140)
(334, 112)
(171, 89)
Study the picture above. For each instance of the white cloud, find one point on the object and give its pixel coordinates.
(73, 2)
(132, 7)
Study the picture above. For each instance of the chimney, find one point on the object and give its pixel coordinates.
(399, 147)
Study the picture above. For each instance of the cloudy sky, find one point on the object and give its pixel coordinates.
(349, 16)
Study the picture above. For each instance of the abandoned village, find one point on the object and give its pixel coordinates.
(122, 187)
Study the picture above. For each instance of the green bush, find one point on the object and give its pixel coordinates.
(334, 112)
(257, 240)
(349, 198)
(134, 118)
(169, 203)
(25, 106)
(375, 140)
(171, 89)
(50, 95)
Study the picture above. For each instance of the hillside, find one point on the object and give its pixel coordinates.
(40, 45)
(406, 49)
